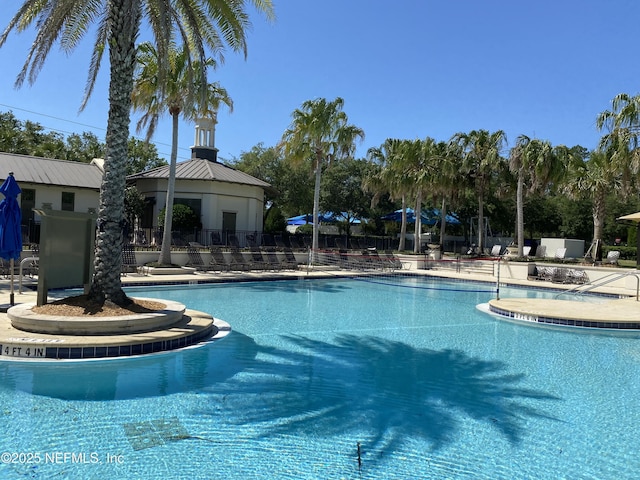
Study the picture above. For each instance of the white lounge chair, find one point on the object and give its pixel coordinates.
(612, 257)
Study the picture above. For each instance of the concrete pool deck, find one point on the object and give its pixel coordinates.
(199, 326)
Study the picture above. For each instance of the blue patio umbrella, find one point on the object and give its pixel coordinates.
(428, 217)
(10, 220)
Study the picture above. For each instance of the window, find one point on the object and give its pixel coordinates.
(68, 201)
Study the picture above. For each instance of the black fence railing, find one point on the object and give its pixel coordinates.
(152, 237)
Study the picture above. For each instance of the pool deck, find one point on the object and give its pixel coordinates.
(624, 312)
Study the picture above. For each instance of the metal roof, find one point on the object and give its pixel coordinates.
(49, 171)
(199, 169)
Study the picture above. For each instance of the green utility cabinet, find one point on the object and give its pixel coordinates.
(67, 243)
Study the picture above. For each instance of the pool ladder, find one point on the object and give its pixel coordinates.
(612, 277)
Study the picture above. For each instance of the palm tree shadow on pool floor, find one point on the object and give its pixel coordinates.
(387, 388)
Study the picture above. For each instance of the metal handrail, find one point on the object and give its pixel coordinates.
(612, 277)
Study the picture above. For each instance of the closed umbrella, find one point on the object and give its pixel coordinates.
(10, 221)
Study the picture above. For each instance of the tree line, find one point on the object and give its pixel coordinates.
(531, 189)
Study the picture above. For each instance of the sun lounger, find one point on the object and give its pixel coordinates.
(258, 262)
(195, 260)
(218, 262)
(290, 259)
(612, 257)
(238, 263)
(129, 262)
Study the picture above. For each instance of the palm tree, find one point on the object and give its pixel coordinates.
(181, 93)
(536, 164)
(320, 131)
(481, 160)
(391, 178)
(622, 139)
(595, 179)
(201, 24)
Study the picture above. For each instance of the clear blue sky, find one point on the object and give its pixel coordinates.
(406, 69)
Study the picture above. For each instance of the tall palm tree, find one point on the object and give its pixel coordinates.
(320, 131)
(621, 140)
(535, 164)
(481, 160)
(181, 93)
(201, 24)
(595, 179)
(391, 178)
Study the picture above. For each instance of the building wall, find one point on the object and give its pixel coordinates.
(216, 197)
(51, 196)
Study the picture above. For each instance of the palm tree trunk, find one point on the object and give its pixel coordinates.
(520, 215)
(165, 251)
(316, 204)
(443, 223)
(480, 223)
(403, 225)
(124, 18)
(598, 214)
(418, 225)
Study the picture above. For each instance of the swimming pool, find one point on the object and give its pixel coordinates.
(427, 385)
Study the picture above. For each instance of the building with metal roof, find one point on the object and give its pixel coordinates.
(48, 183)
(225, 199)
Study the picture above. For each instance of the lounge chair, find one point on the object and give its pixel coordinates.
(495, 250)
(238, 263)
(526, 251)
(216, 239)
(279, 242)
(258, 261)
(560, 254)
(129, 262)
(273, 261)
(290, 259)
(541, 251)
(195, 260)
(612, 257)
(394, 262)
(218, 262)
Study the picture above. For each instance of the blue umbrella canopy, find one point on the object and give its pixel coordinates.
(430, 216)
(10, 220)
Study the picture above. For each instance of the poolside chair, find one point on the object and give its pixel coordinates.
(279, 242)
(340, 243)
(216, 239)
(541, 251)
(290, 261)
(258, 261)
(393, 260)
(560, 254)
(526, 251)
(129, 262)
(495, 250)
(612, 257)
(576, 275)
(195, 259)
(232, 240)
(272, 260)
(238, 263)
(218, 262)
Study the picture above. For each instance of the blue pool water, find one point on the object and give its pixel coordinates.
(426, 384)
